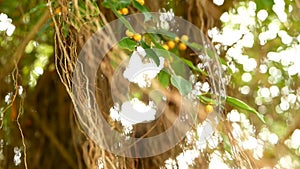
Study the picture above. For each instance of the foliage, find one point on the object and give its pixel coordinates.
(258, 44)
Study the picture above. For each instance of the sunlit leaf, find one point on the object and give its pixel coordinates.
(142, 9)
(36, 8)
(191, 65)
(151, 54)
(265, 4)
(207, 100)
(242, 105)
(163, 32)
(226, 143)
(194, 45)
(154, 39)
(183, 86)
(164, 78)
(127, 43)
(144, 44)
(116, 3)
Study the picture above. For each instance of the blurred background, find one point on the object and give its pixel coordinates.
(258, 43)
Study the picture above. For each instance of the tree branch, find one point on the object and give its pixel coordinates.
(14, 60)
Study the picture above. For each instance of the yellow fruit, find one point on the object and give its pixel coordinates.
(165, 46)
(124, 11)
(60, 10)
(184, 38)
(182, 46)
(137, 37)
(171, 44)
(142, 2)
(176, 39)
(209, 108)
(57, 11)
(120, 12)
(129, 33)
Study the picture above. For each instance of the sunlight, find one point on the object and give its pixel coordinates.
(218, 2)
(139, 72)
(262, 15)
(278, 8)
(246, 77)
(244, 90)
(6, 24)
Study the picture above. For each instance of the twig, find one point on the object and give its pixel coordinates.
(21, 110)
(12, 100)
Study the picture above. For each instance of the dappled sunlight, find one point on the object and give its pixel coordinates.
(150, 84)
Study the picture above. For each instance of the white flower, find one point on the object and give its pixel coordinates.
(166, 17)
(114, 112)
(139, 72)
(234, 116)
(6, 25)
(295, 139)
(17, 156)
(250, 143)
(186, 158)
(216, 161)
(135, 111)
(8, 98)
(205, 87)
(170, 164)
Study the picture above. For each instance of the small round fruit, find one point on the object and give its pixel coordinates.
(129, 33)
(124, 11)
(182, 46)
(165, 46)
(184, 38)
(209, 108)
(171, 44)
(137, 37)
(142, 2)
(176, 39)
(57, 11)
(120, 12)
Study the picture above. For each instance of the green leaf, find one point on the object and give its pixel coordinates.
(210, 53)
(123, 20)
(242, 105)
(127, 43)
(265, 4)
(164, 32)
(37, 7)
(226, 142)
(163, 53)
(144, 45)
(151, 54)
(164, 78)
(107, 4)
(142, 9)
(138, 95)
(154, 39)
(124, 3)
(65, 30)
(118, 4)
(194, 45)
(207, 100)
(191, 65)
(183, 86)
